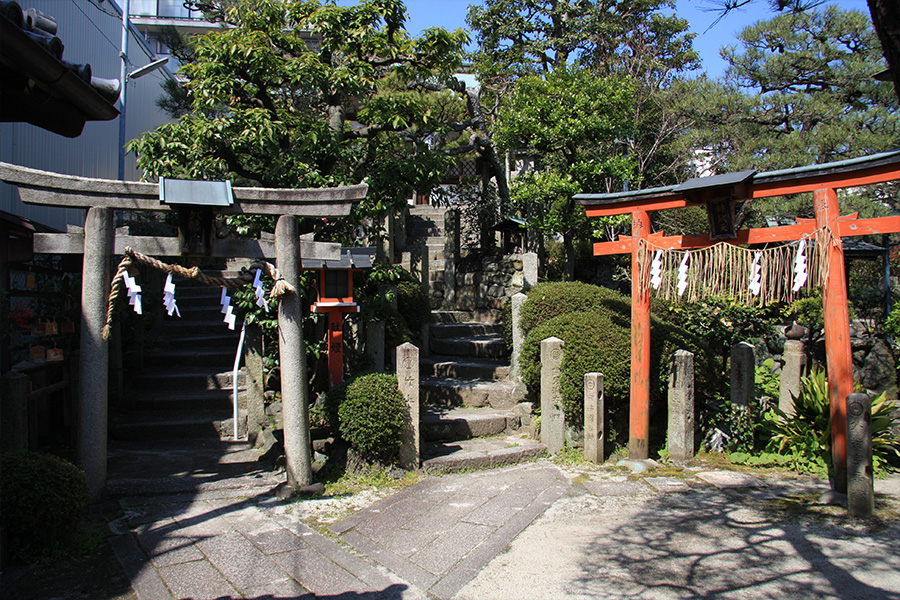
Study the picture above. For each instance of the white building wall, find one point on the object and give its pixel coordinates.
(91, 31)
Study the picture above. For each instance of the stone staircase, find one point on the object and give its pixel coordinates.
(472, 413)
(174, 431)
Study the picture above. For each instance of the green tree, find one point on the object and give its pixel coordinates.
(798, 90)
(268, 109)
(566, 118)
(633, 39)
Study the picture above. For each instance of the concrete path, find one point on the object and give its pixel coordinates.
(528, 531)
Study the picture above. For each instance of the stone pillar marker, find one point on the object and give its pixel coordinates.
(594, 423)
(553, 426)
(743, 374)
(794, 361)
(530, 264)
(418, 266)
(681, 406)
(292, 353)
(518, 338)
(451, 256)
(375, 344)
(94, 352)
(408, 379)
(860, 476)
(254, 357)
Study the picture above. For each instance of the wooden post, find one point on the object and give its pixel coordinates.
(837, 333)
(639, 428)
(294, 386)
(94, 352)
(335, 322)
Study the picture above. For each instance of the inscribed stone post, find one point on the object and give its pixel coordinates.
(860, 482)
(375, 344)
(94, 352)
(794, 360)
(255, 388)
(451, 256)
(419, 266)
(518, 338)
(292, 354)
(743, 374)
(553, 426)
(681, 406)
(530, 265)
(408, 379)
(594, 422)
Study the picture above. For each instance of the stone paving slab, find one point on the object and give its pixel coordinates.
(730, 479)
(220, 548)
(439, 535)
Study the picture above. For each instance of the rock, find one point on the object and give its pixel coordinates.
(879, 371)
(637, 466)
(795, 332)
(832, 498)
(273, 409)
(283, 491)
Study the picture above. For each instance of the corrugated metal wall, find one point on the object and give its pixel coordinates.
(91, 31)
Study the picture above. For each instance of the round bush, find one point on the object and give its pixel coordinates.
(551, 299)
(43, 499)
(372, 414)
(599, 340)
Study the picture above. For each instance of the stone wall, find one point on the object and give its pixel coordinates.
(486, 282)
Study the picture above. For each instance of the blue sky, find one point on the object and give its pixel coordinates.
(451, 14)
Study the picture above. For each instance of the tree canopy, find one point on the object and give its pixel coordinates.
(275, 105)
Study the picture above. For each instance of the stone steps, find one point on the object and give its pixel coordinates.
(478, 346)
(449, 392)
(176, 424)
(442, 424)
(465, 330)
(452, 366)
(185, 378)
(173, 400)
(189, 356)
(444, 457)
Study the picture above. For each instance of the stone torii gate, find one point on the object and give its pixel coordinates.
(99, 243)
(718, 194)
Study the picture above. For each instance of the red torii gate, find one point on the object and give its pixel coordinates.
(716, 192)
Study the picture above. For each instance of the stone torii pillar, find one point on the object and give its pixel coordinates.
(98, 242)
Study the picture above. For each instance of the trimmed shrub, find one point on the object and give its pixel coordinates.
(551, 299)
(371, 414)
(599, 340)
(43, 499)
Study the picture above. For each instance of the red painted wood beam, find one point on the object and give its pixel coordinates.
(880, 174)
(847, 226)
(639, 416)
(838, 356)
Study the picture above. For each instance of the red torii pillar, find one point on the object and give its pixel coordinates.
(837, 328)
(335, 300)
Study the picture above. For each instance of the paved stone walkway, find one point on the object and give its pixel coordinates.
(498, 533)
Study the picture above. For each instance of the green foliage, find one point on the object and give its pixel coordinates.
(550, 299)
(598, 339)
(805, 436)
(798, 91)
(371, 415)
(376, 294)
(43, 499)
(768, 384)
(807, 312)
(268, 110)
(721, 322)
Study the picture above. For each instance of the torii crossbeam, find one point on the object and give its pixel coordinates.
(822, 181)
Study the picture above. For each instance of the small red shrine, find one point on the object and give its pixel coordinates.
(335, 290)
(719, 195)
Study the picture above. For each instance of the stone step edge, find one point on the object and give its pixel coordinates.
(463, 460)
